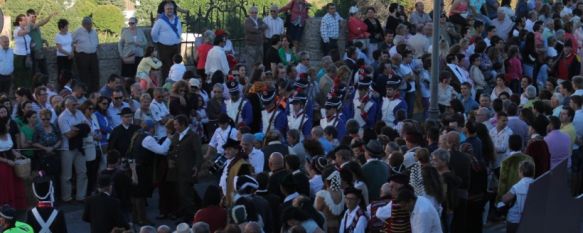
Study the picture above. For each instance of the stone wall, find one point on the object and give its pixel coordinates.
(312, 40)
(110, 63)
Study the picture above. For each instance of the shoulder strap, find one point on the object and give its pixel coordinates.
(45, 226)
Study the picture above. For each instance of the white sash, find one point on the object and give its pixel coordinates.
(45, 226)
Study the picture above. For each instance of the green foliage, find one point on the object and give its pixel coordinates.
(144, 9)
(118, 3)
(108, 18)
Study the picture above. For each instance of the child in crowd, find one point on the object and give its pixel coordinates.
(177, 70)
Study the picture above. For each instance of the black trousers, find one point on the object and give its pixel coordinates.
(328, 47)
(88, 68)
(165, 53)
(63, 63)
(475, 212)
(5, 84)
(460, 218)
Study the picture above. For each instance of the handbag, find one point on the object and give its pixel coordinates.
(129, 60)
(22, 168)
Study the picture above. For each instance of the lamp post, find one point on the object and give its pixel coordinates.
(433, 108)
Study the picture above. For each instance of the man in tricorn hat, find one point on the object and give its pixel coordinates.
(392, 101)
(332, 116)
(121, 135)
(239, 108)
(272, 116)
(298, 118)
(364, 109)
(45, 217)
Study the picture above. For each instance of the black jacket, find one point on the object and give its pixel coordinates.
(103, 213)
(58, 224)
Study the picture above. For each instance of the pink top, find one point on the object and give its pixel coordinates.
(357, 29)
(513, 69)
(203, 51)
(460, 7)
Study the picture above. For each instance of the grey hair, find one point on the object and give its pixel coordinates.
(70, 100)
(253, 8)
(303, 54)
(164, 229)
(248, 138)
(147, 229)
(559, 96)
(219, 86)
(530, 92)
(208, 36)
(201, 227)
(441, 154)
(318, 131)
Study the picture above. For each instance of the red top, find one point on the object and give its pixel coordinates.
(513, 69)
(357, 29)
(202, 51)
(563, 69)
(215, 216)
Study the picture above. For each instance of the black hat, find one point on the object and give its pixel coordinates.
(364, 82)
(394, 82)
(125, 111)
(231, 143)
(267, 96)
(374, 147)
(332, 102)
(246, 182)
(224, 118)
(233, 85)
(7, 212)
(299, 98)
(339, 90)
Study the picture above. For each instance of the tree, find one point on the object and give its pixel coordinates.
(109, 19)
(118, 3)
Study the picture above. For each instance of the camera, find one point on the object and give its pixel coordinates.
(218, 165)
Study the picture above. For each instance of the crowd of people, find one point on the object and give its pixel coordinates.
(288, 144)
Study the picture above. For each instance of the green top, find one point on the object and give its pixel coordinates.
(28, 132)
(20, 227)
(36, 38)
(283, 56)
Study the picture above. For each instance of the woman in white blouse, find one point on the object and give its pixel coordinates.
(500, 87)
(22, 45)
(64, 43)
(445, 91)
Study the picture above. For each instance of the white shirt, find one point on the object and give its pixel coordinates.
(183, 133)
(404, 70)
(216, 60)
(66, 42)
(316, 184)
(274, 26)
(424, 218)
(257, 160)
(6, 61)
(151, 144)
(159, 111)
(224, 175)
(163, 33)
(220, 138)
(500, 140)
(21, 43)
(348, 219)
(68, 120)
(520, 191)
(114, 113)
(176, 72)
